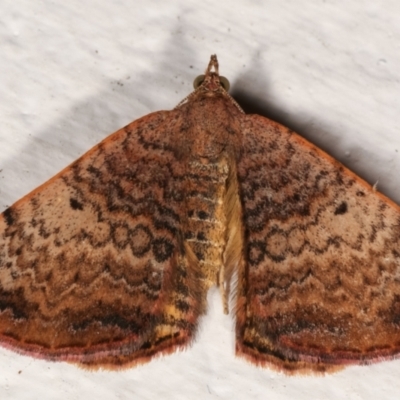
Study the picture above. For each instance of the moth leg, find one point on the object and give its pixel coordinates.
(224, 289)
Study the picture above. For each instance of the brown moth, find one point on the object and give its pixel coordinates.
(108, 263)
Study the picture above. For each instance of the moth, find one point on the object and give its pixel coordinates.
(108, 263)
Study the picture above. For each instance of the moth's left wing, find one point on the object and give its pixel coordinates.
(320, 286)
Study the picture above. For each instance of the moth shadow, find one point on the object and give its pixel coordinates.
(73, 131)
(357, 158)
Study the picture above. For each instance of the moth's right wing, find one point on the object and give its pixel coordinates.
(93, 268)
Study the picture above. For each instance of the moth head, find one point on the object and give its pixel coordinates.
(211, 80)
(201, 78)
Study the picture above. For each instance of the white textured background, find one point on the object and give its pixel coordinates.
(73, 72)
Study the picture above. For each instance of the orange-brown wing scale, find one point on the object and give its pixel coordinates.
(93, 269)
(321, 284)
